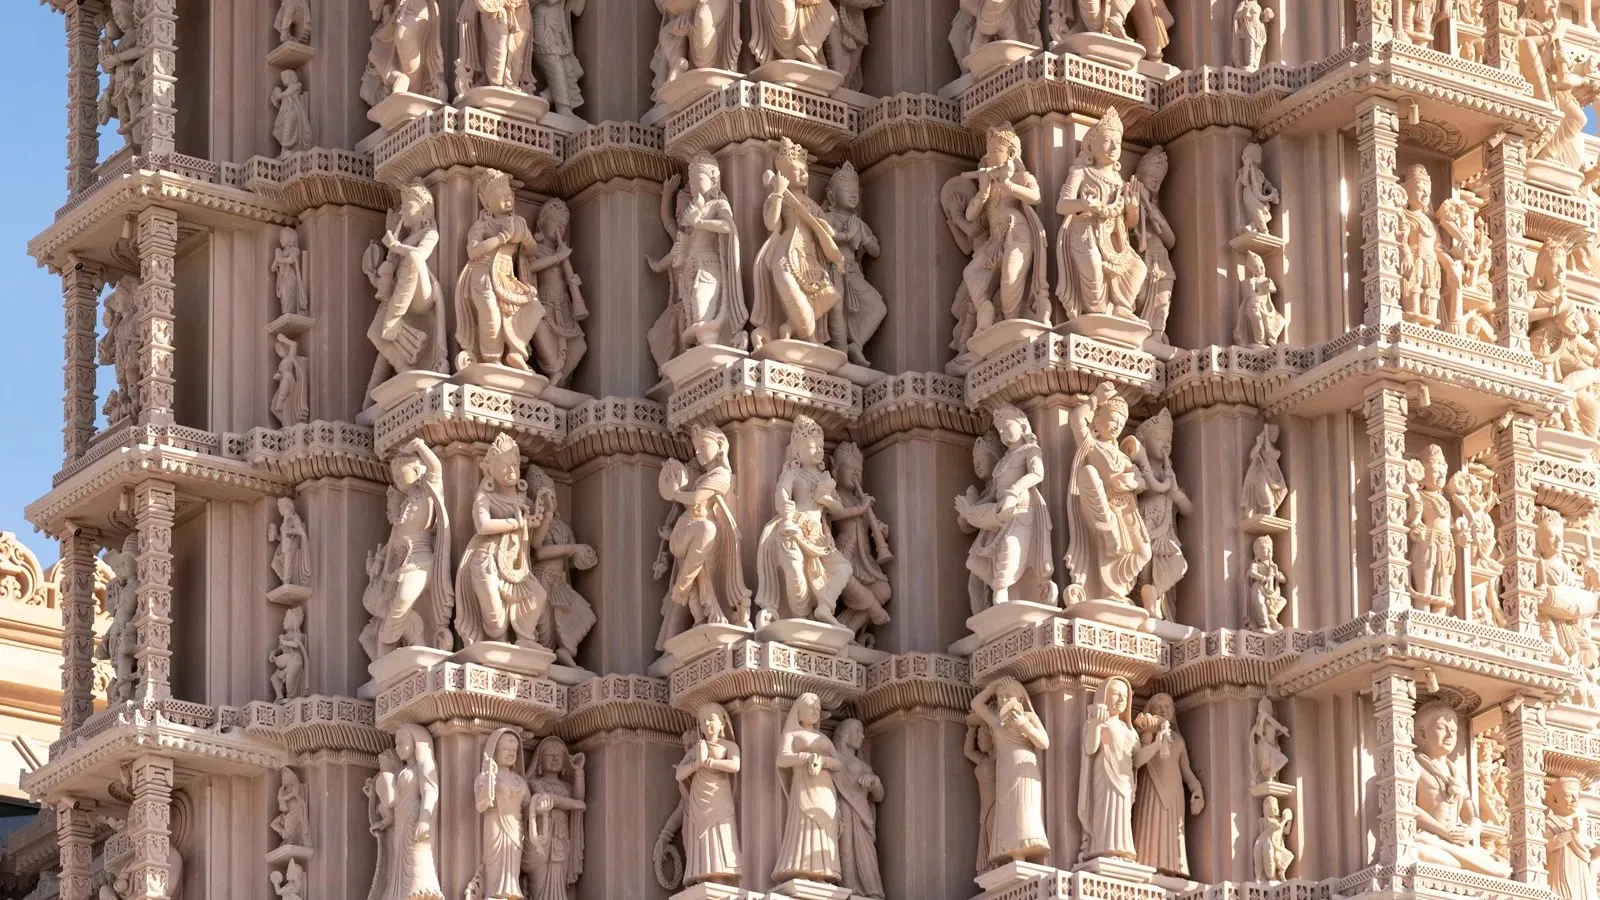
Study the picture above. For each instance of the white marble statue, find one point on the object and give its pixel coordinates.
(557, 790)
(554, 54)
(497, 593)
(556, 552)
(705, 296)
(1271, 854)
(1100, 270)
(991, 212)
(288, 658)
(559, 343)
(1108, 545)
(406, 55)
(290, 403)
(796, 269)
(848, 40)
(290, 884)
(1567, 606)
(1467, 255)
(292, 824)
(700, 541)
(791, 29)
(986, 453)
(1558, 76)
(289, 274)
(1472, 494)
(119, 348)
(1415, 20)
(1160, 810)
(1422, 261)
(497, 310)
(1264, 588)
(801, 570)
(493, 39)
(1010, 517)
(1257, 195)
(403, 814)
(1266, 758)
(291, 559)
(1154, 239)
(412, 591)
(710, 807)
(863, 538)
(1570, 847)
(665, 857)
(409, 327)
(501, 794)
(1160, 504)
(808, 764)
(1014, 829)
(860, 791)
(978, 748)
(1432, 529)
(1259, 325)
(120, 642)
(695, 34)
(1264, 488)
(1447, 820)
(982, 22)
(120, 52)
(1151, 22)
(292, 127)
(855, 318)
(293, 21)
(1111, 752)
(1250, 19)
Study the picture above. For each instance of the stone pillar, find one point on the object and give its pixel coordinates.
(83, 92)
(1523, 720)
(1386, 409)
(155, 502)
(80, 290)
(1514, 460)
(1394, 700)
(1505, 166)
(1377, 138)
(1374, 21)
(75, 837)
(158, 246)
(155, 129)
(912, 750)
(625, 770)
(344, 859)
(149, 829)
(1502, 28)
(78, 546)
(458, 746)
(758, 727)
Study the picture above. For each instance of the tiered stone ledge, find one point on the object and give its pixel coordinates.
(915, 681)
(1421, 880)
(1571, 751)
(1571, 488)
(762, 111)
(1058, 83)
(914, 401)
(1030, 881)
(611, 426)
(764, 389)
(608, 150)
(451, 136)
(765, 669)
(1221, 97)
(913, 123)
(1293, 889)
(319, 449)
(1234, 657)
(321, 176)
(1493, 663)
(461, 690)
(319, 722)
(1217, 376)
(1054, 363)
(1062, 646)
(448, 412)
(621, 703)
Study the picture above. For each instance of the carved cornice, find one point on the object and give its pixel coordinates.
(1229, 657)
(319, 449)
(319, 723)
(766, 669)
(914, 400)
(449, 137)
(911, 680)
(621, 703)
(1423, 880)
(307, 179)
(1217, 376)
(613, 150)
(1226, 98)
(472, 414)
(610, 426)
(452, 690)
(1570, 751)
(764, 389)
(1571, 488)
(1058, 83)
(762, 111)
(1061, 364)
(913, 123)
(1071, 647)
(1293, 889)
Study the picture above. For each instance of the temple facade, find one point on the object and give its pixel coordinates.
(831, 449)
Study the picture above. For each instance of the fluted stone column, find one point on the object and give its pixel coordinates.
(1394, 700)
(155, 503)
(149, 829)
(912, 749)
(347, 521)
(758, 728)
(338, 811)
(337, 351)
(1386, 409)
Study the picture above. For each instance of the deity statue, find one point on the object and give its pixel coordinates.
(1422, 262)
(992, 217)
(291, 560)
(1108, 545)
(1567, 608)
(665, 857)
(1432, 530)
(293, 21)
(1447, 822)
(290, 884)
(700, 541)
(1154, 239)
(1257, 195)
(497, 310)
(848, 40)
(290, 403)
(1160, 815)
(119, 57)
(554, 53)
(406, 55)
(1259, 324)
(288, 659)
(556, 552)
(1100, 271)
(1151, 19)
(1011, 518)
(1015, 826)
(1271, 853)
(860, 790)
(705, 297)
(1266, 759)
(1467, 256)
(289, 274)
(403, 812)
(494, 51)
(414, 563)
(292, 127)
(1264, 488)
(981, 22)
(797, 278)
(808, 765)
(1250, 19)
(710, 809)
(292, 824)
(695, 34)
(1570, 849)
(1112, 750)
(978, 748)
(119, 348)
(863, 538)
(986, 453)
(1559, 77)
(1264, 588)
(801, 569)
(791, 29)
(558, 344)
(1472, 494)
(1416, 20)
(497, 594)
(855, 319)
(1159, 507)
(409, 328)
(120, 643)
(501, 792)
(557, 788)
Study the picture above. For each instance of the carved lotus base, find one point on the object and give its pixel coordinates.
(689, 365)
(996, 55)
(286, 852)
(690, 86)
(1109, 611)
(1062, 364)
(456, 690)
(290, 324)
(449, 412)
(1001, 619)
(1272, 789)
(1061, 646)
(401, 107)
(521, 382)
(807, 354)
(289, 594)
(506, 102)
(1111, 329)
(805, 889)
(1119, 53)
(813, 79)
(468, 136)
(1265, 244)
(757, 110)
(393, 392)
(681, 649)
(764, 389)
(808, 635)
(756, 669)
(533, 662)
(291, 55)
(1003, 335)
(1423, 880)
(712, 891)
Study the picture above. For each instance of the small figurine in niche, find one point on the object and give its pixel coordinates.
(289, 274)
(860, 790)
(1257, 195)
(119, 57)
(290, 399)
(414, 563)
(979, 750)
(863, 538)
(1271, 853)
(1259, 324)
(1267, 760)
(1447, 821)
(292, 127)
(855, 319)
(710, 808)
(808, 764)
(1017, 735)
(796, 286)
(556, 552)
(1265, 587)
(1422, 261)
(289, 658)
(705, 295)
(292, 824)
(557, 787)
(848, 40)
(406, 56)
(555, 54)
(695, 34)
(493, 40)
(1154, 239)
(120, 641)
(1111, 753)
(291, 561)
(1264, 487)
(986, 452)
(293, 21)
(1108, 545)
(1250, 19)
(497, 311)
(1160, 816)
(290, 884)
(802, 571)
(1569, 845)
(1099, 271)
(501, 794)
(119, 348)
(1160, 504)
(790, 29)
(1012, 519)
(1432, 530)
(409, 328)
(700, 541)
(497, 593)
(558, 344)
